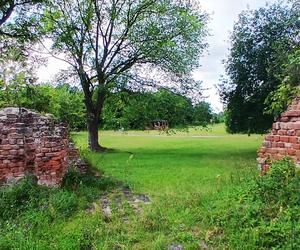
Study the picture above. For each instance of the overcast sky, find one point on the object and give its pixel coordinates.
(223, 15)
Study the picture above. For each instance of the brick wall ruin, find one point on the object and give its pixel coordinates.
(32, 144)
(284, 139)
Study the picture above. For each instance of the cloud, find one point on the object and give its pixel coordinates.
(223, 16)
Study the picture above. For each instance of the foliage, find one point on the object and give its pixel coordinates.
(114, 45)
(278, 99)
(63, 101)
(18, 33)
(202, 114)
(17, 18)
(218, 118)
(124, 110)
(264, 213)
(261, 42)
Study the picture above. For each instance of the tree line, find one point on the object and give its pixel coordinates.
(123, 110)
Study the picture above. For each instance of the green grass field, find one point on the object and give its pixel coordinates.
(177, 164)
(182, 173)
(186, 176)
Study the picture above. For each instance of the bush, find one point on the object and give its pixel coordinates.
(264, 213)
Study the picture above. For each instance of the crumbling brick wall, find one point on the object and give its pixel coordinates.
(284, 139)
(32, 144)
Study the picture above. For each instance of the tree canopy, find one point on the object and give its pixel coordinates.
(113, 45)
(18, 18)
(124, 110)
(261, 43)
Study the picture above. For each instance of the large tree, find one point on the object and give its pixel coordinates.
(117, 44)
(261, 42)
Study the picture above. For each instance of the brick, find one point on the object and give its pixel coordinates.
(293, 139)
(46, 150)
(269, 138)
(272, 151)
(12, 141)
(282, 132)
(286, 126)
(20, 141)
(296, 146)
(296, 125)
(6, 147)
(276, 125)
(291, 113)
(284, 138)
(15, 136)
(291, 132)
(284, 119)
(282, 151)
(291, 151)
(13, 152)
(21, 151)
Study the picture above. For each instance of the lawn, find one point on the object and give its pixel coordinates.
(182, 173)
(185, 175)
(178, 164)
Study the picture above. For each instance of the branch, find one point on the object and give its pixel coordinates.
(7, 13)
(130, 22)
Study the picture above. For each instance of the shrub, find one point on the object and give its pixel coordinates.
(265, 212)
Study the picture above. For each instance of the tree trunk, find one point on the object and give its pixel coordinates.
(93, 137)
(94, 110)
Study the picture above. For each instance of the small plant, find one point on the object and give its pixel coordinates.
(19, 197)
(63, 203)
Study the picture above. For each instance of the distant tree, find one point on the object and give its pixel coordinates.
(124, 110)
(261, 42)
(67, 105)
(202, 115)
(112, 45)
(218, 118)
(175, 108)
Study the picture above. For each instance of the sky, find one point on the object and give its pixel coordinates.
(223, 15)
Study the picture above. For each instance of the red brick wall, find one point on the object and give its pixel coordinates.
(284, 139)
(32, 144)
